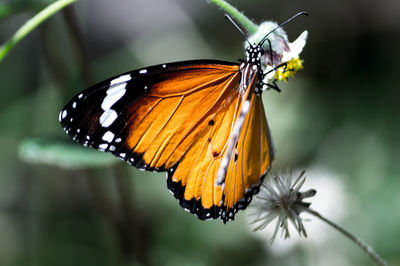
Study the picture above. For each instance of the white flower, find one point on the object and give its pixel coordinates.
(278, 50)
(296, 47)
(280, 198)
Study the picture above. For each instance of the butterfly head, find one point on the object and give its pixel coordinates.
(276, 51)
(254, 54)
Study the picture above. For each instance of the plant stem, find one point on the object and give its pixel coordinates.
(32, 24)
(359, 242)
(250, 27)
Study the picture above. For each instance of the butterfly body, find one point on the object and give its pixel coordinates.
(201, 121)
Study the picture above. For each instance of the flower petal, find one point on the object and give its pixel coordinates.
(296, 47)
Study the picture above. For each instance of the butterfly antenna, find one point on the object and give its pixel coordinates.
(282, 24)
(237, 26)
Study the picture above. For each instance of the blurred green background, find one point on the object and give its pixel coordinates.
(338, 119)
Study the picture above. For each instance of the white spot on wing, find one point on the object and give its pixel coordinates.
(224, 162)
(143, 71)
(246, 106)
(108, 136)
(64, 114)
(112, 148)
(222, 171)
(80, 96)
(123, 78)
(113, 95)
(108, 117)
(74, 105)
(117, 140)
(164, 66)
(103, 146)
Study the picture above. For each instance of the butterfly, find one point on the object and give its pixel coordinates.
(201, 121)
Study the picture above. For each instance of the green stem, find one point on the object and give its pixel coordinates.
(32, 24)
(250, 27)
(364, 246)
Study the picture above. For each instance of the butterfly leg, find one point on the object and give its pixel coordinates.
(273, 86)
(284, 65)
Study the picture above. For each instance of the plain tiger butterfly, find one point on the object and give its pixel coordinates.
(201, 121)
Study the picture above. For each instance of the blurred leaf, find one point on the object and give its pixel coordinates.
(62, 153)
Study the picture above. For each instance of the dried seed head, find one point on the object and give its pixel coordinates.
(280, 198)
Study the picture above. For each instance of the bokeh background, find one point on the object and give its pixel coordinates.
(338, 119)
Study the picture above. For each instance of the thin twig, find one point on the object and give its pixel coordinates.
(249, 25)
(32, 24)
(359, 242)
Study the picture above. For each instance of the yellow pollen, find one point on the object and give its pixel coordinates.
(283, 73)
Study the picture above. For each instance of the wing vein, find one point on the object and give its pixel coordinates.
(161, 129)
(193, 90)
(148, 112)
(223, 91)
(195, 163)
(242, 146)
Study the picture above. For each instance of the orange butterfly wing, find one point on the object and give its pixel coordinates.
(179, 118)
(250, 160)
(194, 180)
(169, 119)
